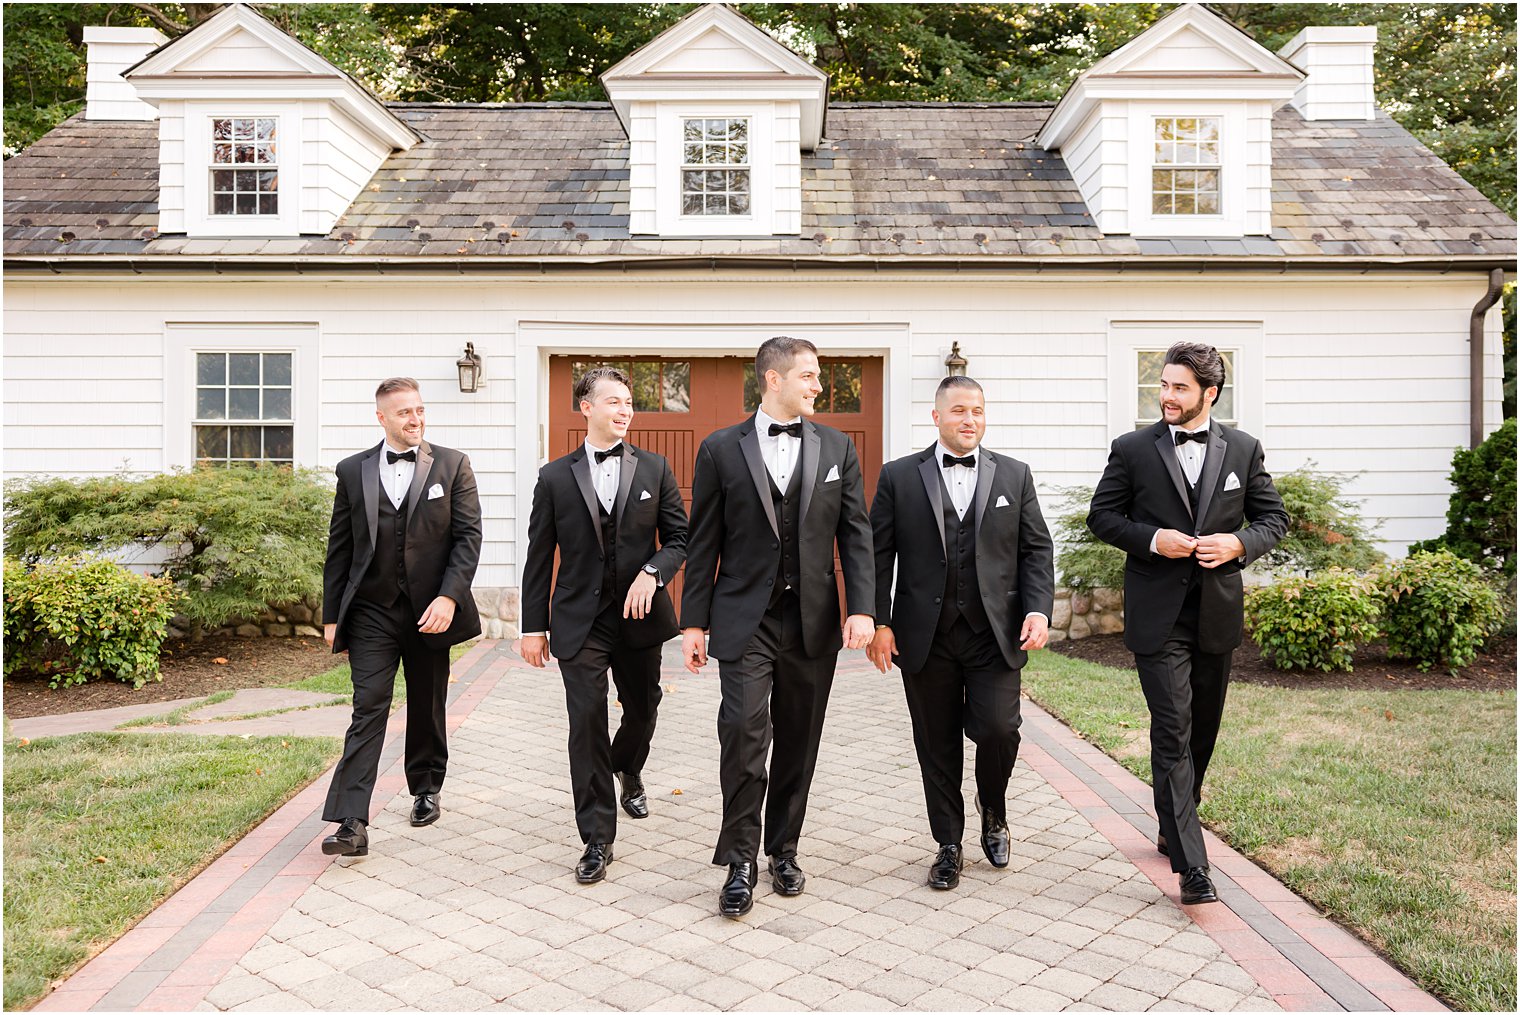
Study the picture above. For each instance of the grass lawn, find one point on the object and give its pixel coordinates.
(102, 827)
(1394, 812)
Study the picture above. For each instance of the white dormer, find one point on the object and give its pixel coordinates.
(1171, 134)
(258, 135)
(718, 114)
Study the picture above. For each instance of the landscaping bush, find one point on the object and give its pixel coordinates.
(1439, 608)
(1313, 623)
(1085, 562)
(1480, 517)
(75, 620)
(236, 539)
(1324, 531)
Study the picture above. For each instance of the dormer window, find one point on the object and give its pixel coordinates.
(245, 174)
(715, 170)
(1185, 171)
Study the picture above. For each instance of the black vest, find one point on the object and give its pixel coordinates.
(963, 594)
(609, 553)
(385, 580)
(788, 508)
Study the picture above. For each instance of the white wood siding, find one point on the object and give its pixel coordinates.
(338, 158)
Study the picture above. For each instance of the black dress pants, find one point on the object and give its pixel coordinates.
(593, 756)
(965, 687)
(773, 697)
(380, 638)
(1185, 691)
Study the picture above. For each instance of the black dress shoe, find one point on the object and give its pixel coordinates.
(1196, 886)
(994, 836)
(351, 839)
(786, 876)
(425, 809)
(632, 796)
(737, 896)
(945, 871)
(593, 865)
(1161, 844)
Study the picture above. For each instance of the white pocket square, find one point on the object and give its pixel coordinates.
(644, 495)
(1231, 483)
(435, 491)
(1001, 501)
(833, 474)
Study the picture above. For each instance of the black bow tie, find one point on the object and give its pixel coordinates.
(405, 456)
(950, 461)
(616, 451)
(795, 429)
(1183, 436)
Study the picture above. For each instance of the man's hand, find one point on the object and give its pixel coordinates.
(858, 629)
(1036, 632)
(534, 649)
(882, 648)
(1219, 548)
(329, 633)
(437, 617)
(640, 596)
(694, 648)
(1171, 543)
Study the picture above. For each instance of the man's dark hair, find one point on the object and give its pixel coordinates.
(586, 386)
(955, 382)
(391, 385)
(1205, 362)
(777, 354)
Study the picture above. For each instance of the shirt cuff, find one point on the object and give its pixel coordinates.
(1036, 613)
(1154, 537)
(535, 634)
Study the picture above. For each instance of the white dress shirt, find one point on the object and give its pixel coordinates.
(1190, 455)
(396, 477)
(959, 480)
(604, 477)
(780, 452)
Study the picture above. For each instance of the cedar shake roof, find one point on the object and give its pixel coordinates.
(891, 181)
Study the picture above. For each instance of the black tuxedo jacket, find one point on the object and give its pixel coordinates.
(1014, 553)
(566, 514)
(736, 548)
(442, 538)
(1143, 489)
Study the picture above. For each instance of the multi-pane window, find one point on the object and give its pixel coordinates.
(715, 166)
(658, 385)
(245, 174)
(1185, 168)
(243, 407)
(1148, 392)
(840, 380)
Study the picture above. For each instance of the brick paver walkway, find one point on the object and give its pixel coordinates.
(481, 911)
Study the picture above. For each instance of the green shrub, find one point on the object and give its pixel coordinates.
(1324, 531)
(74, 620)
(1313, 623)
(1439, 608)
(1480, 517)
(236, 539)
(1084, 561)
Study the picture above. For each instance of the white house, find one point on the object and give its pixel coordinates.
(235, 241)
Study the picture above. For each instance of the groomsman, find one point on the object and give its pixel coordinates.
(975, 587)
(1176, 497)
(771, 497)
(401, 554)
(613, 511)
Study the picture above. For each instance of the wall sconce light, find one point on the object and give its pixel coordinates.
(955, 363)
(471, 370)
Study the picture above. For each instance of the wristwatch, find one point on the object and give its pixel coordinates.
(650, 569)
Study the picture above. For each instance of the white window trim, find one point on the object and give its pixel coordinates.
(748, 166)
(1233, 173)
(670, 156)
(199, 221)
(1127, 338)
(183, 340)
(1217, 167)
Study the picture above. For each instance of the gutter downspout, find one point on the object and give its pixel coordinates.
(1475, 356)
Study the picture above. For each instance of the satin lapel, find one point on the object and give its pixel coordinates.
(625, 479)
(928, 471)
(809, 462)
(419, 481)
(749, 444)
(986, 468)
(1167, 449)
(1213, 467)
(369, 478)
(580, 468)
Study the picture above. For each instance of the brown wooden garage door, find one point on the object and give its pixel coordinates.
(678, 402)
